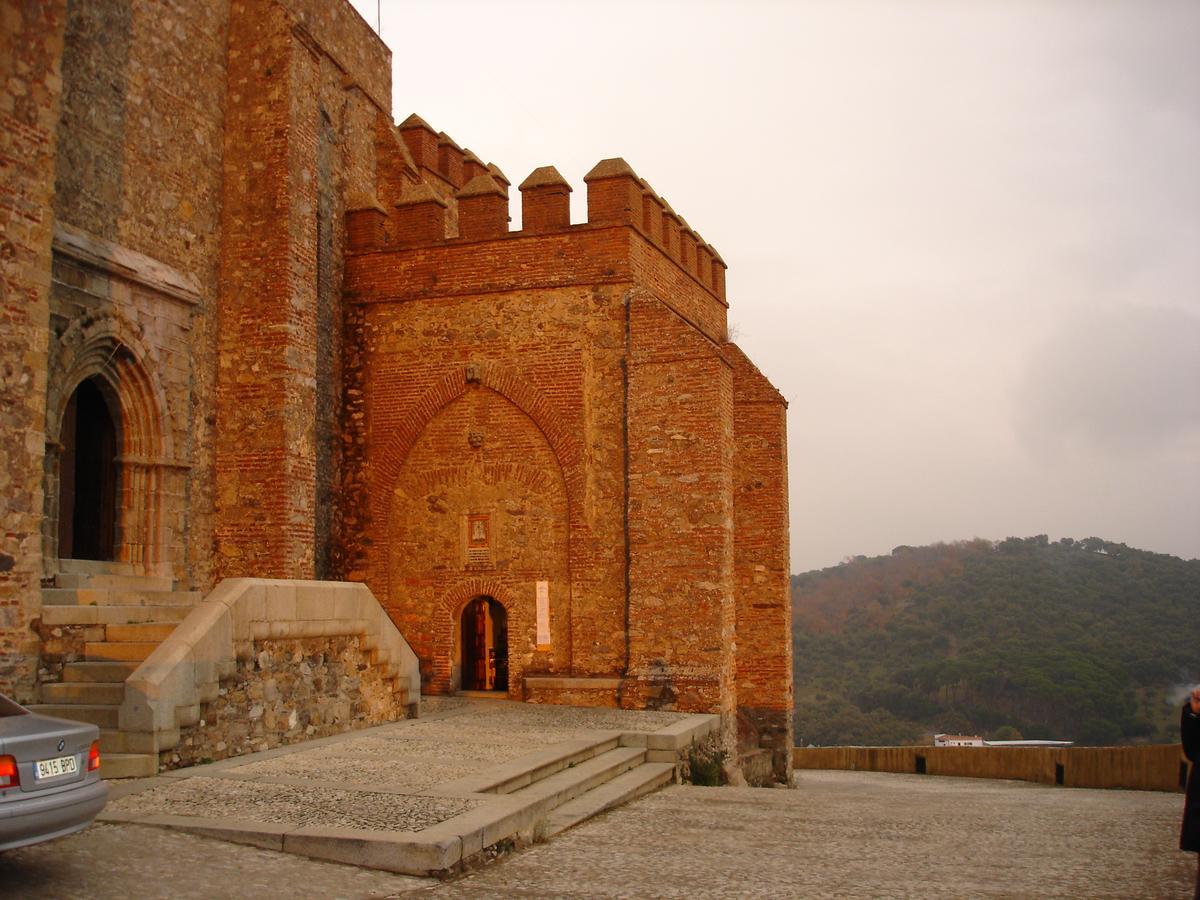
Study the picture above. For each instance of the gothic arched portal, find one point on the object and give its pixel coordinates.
(88, 475)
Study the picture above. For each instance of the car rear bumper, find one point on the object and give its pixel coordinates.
(32, 818)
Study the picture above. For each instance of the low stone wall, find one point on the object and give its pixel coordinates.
(289, 691)
(572, 691)
(1153, 767)
(166, 695)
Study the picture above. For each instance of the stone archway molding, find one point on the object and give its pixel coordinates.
(108, 348)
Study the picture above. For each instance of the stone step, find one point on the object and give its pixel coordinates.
(113, 741)
(96, 651)
(118, 597)
(127, 765)
(99, 671)
(567, 784)
(106, 693)
(624, 787)
(94, 567)
(93, 714)
(145, 631)
(112, 615)
(114, 582)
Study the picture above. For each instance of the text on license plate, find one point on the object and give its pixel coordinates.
(52, 768)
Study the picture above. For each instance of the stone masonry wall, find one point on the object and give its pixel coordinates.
(31, 39)
(289, 691)
(139, 169)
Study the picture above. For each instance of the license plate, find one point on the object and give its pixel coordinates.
(52, 768)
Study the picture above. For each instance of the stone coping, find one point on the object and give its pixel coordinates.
(505, 801)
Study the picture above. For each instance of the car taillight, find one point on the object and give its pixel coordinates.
(10, 777)
(94, 757)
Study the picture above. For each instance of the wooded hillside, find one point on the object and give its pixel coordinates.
(1089, 640)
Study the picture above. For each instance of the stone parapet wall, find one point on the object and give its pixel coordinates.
(1155, 767)
(288, 691)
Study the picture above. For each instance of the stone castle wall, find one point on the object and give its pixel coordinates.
(572, 385)
(328, 357)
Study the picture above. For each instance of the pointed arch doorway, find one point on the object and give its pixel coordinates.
(89, 475)
(484, 630)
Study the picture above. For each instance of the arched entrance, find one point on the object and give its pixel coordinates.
(484, 646)
(88, 486)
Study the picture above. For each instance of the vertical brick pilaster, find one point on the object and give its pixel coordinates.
(265, 453)
(761, 558)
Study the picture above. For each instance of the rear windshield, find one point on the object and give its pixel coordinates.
(8, 708)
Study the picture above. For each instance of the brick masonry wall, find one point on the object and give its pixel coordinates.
(764, 620)
(532, 440)
(289, 691)
(30, 91)
(293, 93)
(680, 516)
(608, 348)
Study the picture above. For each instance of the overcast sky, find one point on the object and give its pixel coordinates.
(963, 237)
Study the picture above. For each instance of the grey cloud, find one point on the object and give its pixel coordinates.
(1122, 380)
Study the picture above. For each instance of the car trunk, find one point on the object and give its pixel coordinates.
(30, 739)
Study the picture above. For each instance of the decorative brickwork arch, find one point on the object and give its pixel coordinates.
(107, 351)
(449, 388)
(445, 676)
(540, 410)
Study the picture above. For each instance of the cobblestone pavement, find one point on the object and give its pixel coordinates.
(378, 778)
(840, 834)
(851, 834)
(134, 862)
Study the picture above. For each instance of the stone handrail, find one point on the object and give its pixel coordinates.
(165, 692)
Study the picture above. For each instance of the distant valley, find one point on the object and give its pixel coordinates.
(1084, 640)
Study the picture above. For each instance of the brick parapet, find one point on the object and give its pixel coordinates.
(581, 254)
(616, 197)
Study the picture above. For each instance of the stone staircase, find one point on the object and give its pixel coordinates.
(123, 617)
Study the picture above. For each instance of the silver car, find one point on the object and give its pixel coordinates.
(50, 782)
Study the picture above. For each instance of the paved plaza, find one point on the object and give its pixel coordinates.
(838, 834)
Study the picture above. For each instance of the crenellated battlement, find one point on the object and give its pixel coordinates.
(469, 201)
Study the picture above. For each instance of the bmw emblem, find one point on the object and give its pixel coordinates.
(62, 744)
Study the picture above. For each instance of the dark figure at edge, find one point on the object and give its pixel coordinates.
(1189, 732)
